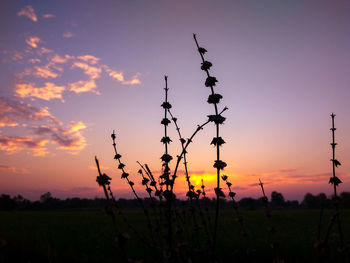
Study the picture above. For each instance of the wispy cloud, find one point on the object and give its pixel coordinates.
(17, 56)
(34, 60)
(48, 16)
(69, 138)
(33, 41)
(28, 11)
(43, 51)
(48, 92)
(119, 76)
(82, 86)
(91, 71)
(13, 111)
(90, 59)
(68, 35)
(14, 169)
(57, 59)
(40, 72)
(13, 144)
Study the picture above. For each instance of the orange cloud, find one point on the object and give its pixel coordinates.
(40, 72)
(89, 58)
(44, 72)
(69, 139)
(48, 92)
(13, 111)
(119, 76)
(13, 144)
(17, 56)
(134, 80)
(57, 59)
(83, 86)
(34, 60)
(92, 72)
(33, 41)
(48, 16)
(68, 35)
(14, 169)
(43, 51)
(28, 12)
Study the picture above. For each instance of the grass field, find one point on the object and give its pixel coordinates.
(87, 236)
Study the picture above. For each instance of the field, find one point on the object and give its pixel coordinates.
(87, 236)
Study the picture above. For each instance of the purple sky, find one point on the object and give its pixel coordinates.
(72, 71)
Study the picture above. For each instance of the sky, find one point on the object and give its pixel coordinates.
(74, 71)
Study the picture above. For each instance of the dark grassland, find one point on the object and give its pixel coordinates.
(87, 236)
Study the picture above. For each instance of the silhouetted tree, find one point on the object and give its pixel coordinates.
(45, 197)
(316, 201)
(6, 203)
(345, 199)
(277, 199)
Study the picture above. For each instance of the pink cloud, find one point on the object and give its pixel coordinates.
(48, 16)
(28, 11)
(91, 71)
(119, 76)
(13, 144)
(14, 169)
(69, 138)
(13, 111)
(47, 92)
(89, 59)
(33, 41)
(82, 86)
(68, 35)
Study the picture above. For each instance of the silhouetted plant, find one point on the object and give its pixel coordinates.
(322, 245)
(103, 180)
(232, 195)
(218, 119)
(272, 230)
(176, 228)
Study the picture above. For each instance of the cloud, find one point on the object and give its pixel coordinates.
(17, 56)
(68, 35)
(91, 71)
(48, 16)
(66, 137)
(56, 66)
(43, 51)
(33, 41)
(13, 111)
(34, 60)
(28, 12)
(14, 169)
(119, 76)
(48, 92)
(13, 144)
(69, 138)
(57, 59)
(89, 58)
(40, 72)
(83, 86)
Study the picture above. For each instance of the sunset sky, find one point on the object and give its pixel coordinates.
(74, 71)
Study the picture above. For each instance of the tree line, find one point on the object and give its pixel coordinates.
(277, 201)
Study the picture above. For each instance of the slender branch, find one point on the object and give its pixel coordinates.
(131, 184)
(103, 180)
(182, 141)
(213, 99)
(335, 181)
